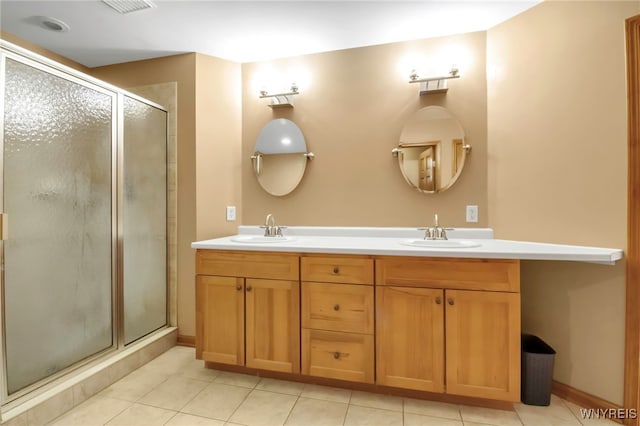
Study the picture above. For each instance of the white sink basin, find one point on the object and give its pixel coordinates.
(441, 244)
(260, 239)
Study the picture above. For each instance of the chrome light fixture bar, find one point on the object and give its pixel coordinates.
(431, 85)
(280, 100)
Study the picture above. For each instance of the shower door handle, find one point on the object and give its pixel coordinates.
(4, 224)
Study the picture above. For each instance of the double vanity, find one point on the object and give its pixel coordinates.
(380, 309)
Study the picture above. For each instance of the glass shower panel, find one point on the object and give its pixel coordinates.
(57, 194)
(144, 219)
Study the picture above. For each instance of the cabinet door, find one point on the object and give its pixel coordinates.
(273, 325)
(483, 344)
(410, 338)
(220, 319)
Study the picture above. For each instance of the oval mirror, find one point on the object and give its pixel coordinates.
(432, 150)
(280, 157)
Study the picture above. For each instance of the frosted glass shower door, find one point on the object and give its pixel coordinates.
(57, 193)
(144, 219)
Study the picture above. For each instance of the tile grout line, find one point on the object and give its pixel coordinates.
(172, 417)
(291, 410)
(123, 410)
(518, 415)
(243, 400)
(581, 421)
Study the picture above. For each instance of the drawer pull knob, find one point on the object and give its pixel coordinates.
(450, 301)
(336, 307)
(249, 288)
(438, 300)
(336, 270)
(239, 287)
(336, 355)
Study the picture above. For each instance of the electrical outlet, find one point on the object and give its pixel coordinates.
(472, 213)
(231, 213)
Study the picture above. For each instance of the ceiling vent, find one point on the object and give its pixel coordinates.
(128, 6)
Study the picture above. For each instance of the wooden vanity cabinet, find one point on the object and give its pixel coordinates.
(247, 309)
(337, 317)
(441, 325)
(449, 325)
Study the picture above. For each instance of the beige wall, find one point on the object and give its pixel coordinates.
(180, 69)
(351, 113)
(218, 132)
(41, 51)
(556, 106)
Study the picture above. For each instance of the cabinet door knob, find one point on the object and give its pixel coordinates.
(239, 287)
(336, 355)
(249, 288)
(336, 307)
(336, 270)
(450, 301)
(438, 300)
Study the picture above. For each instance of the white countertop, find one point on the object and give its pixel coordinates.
(389, 242)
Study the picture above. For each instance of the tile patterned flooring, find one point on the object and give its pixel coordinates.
(175, 390)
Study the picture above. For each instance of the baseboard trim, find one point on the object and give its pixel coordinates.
(583, 399)
(189, 341)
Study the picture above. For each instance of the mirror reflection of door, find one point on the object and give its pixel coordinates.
(432, 127)
(457, 156)
(426, 170)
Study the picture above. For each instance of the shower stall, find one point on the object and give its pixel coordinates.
(83, 196)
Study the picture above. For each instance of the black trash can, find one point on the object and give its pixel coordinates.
(537, 370)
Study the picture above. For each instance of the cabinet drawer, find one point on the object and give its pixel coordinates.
(337, 307)
(466, 274)
(344, 356)
(337, 269)
(275, 266)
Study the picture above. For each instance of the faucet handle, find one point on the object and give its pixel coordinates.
(428, 232)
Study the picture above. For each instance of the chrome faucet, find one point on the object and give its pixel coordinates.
(270, 227)
(436, 232)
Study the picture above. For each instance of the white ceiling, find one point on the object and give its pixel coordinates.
(243, 31)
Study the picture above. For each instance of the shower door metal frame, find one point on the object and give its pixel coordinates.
(3, 356)
(18, 54)
(120, 214)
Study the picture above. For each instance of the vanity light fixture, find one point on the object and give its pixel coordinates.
(431, 85)
(280, 100)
